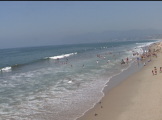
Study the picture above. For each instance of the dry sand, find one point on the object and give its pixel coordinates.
(139, 97)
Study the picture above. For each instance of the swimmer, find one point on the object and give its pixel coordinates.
(122, 61)
(83, 66)
(108, 61)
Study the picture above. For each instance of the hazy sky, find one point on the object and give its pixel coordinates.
(34, 23)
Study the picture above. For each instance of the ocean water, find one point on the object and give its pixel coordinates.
(59, 82)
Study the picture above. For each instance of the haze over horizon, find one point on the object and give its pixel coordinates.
(39, 23)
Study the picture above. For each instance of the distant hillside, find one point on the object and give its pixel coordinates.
(115, 36)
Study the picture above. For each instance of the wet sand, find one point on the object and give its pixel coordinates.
(138, 97)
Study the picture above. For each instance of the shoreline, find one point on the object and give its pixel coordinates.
(110, 92)
(111, 84)
(118, 78)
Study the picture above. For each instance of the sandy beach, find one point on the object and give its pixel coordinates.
(136, 98)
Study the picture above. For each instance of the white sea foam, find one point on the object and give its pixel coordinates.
(63, 56)
(144, 44)
(69, 81)
(7, 69)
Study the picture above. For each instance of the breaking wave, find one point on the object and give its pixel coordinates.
(62, 56)
(9, 68)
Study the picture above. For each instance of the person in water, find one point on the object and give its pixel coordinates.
(122, 61)
(127, 60)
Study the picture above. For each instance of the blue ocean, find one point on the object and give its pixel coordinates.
(60, 82)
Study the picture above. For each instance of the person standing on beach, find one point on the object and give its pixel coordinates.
(138, 60)
(152, 72)
(155, 70)
(160, 69)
